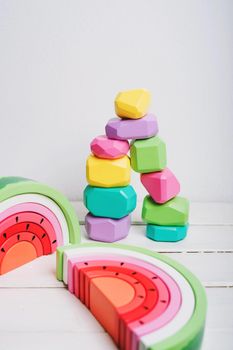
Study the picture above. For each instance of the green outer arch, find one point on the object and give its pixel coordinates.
(14, 186)
(190, 336)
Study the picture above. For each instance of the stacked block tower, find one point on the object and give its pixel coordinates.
(108, 174)
(108, 197)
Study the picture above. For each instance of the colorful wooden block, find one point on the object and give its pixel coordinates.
(166, 233)
(104, 147)
(154, 303)
(126, 129)
(34, 220)
(132, 104)
(113, 202)
(162, 185)
(106, 229)
(172, 213)
(148, 155)
(108, 173)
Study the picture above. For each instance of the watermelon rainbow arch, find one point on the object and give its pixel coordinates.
(144, 300)
(34, 220)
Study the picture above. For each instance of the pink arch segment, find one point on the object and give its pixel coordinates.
(39, 209)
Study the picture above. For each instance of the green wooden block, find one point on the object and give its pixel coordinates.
(115, 202)
(166, 233)
(148, 155)
(172, 213)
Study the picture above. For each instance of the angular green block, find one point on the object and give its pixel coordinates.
(113, 202)
(166, 233)
(148, 155)
(172, 213)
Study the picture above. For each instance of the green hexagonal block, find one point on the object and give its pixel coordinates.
(115, 202)
(148, 155)
(172, 213)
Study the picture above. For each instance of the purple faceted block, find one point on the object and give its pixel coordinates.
(106, 229)
(124, 129)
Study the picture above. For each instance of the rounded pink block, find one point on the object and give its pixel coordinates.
(123, 129)
(103, 147)
(162, 185)
(106, 229)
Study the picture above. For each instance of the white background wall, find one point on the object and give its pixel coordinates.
(62, 62)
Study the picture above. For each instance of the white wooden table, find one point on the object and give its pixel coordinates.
(37, 312)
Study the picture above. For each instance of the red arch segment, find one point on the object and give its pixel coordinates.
(27, 226)
(152, 303)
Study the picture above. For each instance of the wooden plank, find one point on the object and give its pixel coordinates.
(199, 239)
(213, 269)
(68, 322)
(200, 213)
(44, 310)
(53, 340)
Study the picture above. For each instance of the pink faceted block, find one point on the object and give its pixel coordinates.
(103, 147)
(162, 185)
(106, 229)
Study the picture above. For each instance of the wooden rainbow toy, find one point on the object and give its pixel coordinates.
(34, 220)
(144, 300)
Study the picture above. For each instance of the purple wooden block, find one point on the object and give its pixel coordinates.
(124, 129)
(106, 229)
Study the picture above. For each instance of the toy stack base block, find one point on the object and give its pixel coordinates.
(142, 128)
(132, 104)
(108, 173)
(34, 221)
(106, 148)
(148, 155)
(172, 213)
(162, 185)
(144, 300)
(166, 233)
(115, 202)
(107, 229)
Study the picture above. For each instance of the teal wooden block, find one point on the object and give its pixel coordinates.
(166, 233)
(172, 213)
(148, 155)
(115, 202)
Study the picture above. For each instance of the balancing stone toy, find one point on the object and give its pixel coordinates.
(144, 300)
(166, 214)
(34, 221)
(108, 197)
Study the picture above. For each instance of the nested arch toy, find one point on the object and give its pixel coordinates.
(34, 220)
(143, 299)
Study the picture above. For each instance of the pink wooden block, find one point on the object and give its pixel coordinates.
(162, 185)
(103, 147)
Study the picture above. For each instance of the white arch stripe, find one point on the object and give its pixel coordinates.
(188, 299)
(43, 200)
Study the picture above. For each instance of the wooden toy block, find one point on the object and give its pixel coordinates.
(104, 147)
(142, 128)
(162, 185)
(19, 254)
(169, 314)
(172, 213)
(106, 229)
(132, 104)
(108, 173)
(34, 220)
(115, 202)
(148, 155)
(166, 233)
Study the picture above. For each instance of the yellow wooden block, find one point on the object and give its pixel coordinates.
(132, 104)
(108, 172)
